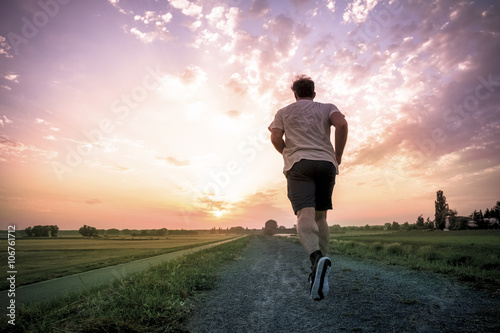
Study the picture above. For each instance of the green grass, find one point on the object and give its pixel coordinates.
(472, 256)
(156, 300)
(40, 259)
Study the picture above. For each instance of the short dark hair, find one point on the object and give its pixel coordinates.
(303, 86)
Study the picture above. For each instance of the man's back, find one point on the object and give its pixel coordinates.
(306, 125)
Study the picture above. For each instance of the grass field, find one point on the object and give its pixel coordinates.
(156, 300)
(468, 255)
(39, 259)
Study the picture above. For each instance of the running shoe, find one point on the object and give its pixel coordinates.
(319, 278)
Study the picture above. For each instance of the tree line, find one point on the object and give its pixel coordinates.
(476, 220)
(42, 231)
(444, 217)
(89, 231)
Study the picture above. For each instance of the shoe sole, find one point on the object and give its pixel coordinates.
(320, 287)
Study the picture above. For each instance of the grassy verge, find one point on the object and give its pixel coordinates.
(468, 256)
(157, 300)
(44, 259)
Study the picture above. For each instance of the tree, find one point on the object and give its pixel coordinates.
(420, 222)
(442, 210)
(458, 222)
(271, 227)
(41, 231)
(161, 232)
(87, 231)
(495, 211)
(479, 220)
(29, 231)
(53, 230)
(336, 228)
(237, 230)
(395, 225)
(429, 224)
(112, 232)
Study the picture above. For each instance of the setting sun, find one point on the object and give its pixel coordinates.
(219, 213)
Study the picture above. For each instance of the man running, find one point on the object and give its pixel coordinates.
(311, 165)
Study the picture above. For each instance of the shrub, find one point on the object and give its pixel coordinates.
(394, 249)
(459, 260)
(377, 246)
(428, 252)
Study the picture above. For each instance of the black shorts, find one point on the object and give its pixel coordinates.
(310, 184)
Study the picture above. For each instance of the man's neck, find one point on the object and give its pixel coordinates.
(304, 99)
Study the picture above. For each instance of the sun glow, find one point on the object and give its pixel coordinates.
(219, 213)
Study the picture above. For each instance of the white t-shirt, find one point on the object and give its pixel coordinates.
(307, 132)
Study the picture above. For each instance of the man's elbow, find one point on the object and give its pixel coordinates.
(342, 125)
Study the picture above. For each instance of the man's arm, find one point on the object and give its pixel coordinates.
(277, 139)
(338, 121)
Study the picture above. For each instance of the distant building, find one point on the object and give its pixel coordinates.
(491, 221)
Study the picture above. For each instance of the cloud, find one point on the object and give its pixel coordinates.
(151, 17)
(209, 204)
(15, 149)
(5, 141)
(148, 26)
(187, 8)
(41, 121)
(5, 48)
(282, 27)
(182, 85)
(259, 8)
(443, 92)
(331, 5)
(4, 120)
(12, 77)
(237, 84)
(233, 113)
(205, 37)
(358, 10)
(159, 32)
(93, 201)
(173, 161)
(115, 3)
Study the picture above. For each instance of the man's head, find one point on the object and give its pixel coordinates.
(303, 87)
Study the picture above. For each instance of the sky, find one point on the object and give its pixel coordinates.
(154, 114)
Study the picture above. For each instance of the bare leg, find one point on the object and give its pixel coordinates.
(323, 231)
(308, 230)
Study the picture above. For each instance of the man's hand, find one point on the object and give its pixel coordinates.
(277, 139)
(338, 121)
(338, 157)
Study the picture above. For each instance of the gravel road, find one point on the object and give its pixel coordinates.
(267, 291)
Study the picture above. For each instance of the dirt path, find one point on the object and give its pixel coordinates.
(267, 291)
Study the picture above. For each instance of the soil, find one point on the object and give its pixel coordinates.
(267, 291)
